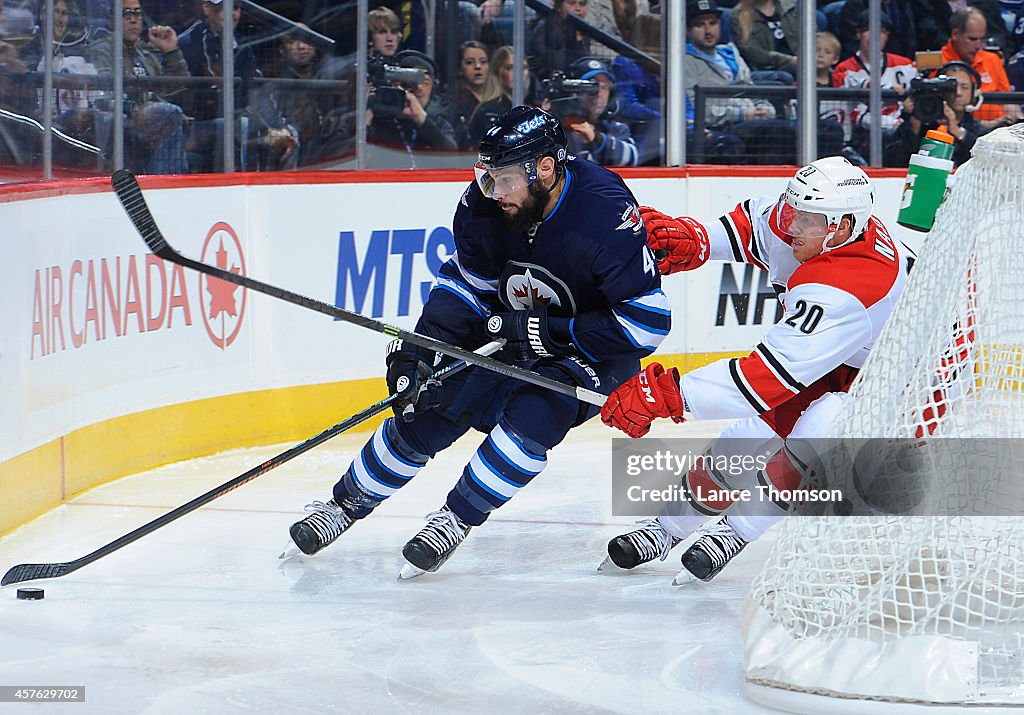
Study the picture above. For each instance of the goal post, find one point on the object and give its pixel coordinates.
(924, 611)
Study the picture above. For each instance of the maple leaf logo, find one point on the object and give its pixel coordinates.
(222, 293)
(530, 296)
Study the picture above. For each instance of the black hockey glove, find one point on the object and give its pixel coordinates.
(530, 334)
(409, 371)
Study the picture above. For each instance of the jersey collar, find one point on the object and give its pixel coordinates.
(561, 197)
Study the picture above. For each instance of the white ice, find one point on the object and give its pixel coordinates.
(200, 616)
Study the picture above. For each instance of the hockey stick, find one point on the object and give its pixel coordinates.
(126, 186)
(31, 572)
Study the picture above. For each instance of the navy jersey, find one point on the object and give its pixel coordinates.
(588, 262)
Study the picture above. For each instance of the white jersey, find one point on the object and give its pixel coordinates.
(835, 306)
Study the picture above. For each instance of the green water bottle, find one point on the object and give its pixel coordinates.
(927, 174)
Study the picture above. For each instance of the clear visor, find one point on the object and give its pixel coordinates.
(801, 224)
(496, 183)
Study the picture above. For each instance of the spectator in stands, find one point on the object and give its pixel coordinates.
(497, 17)
(900, 14)
(933, 18)
(855, 73)
(201, 46)
(616, 18)
(830, 111)
(176, 14)
(17, 95)
(321, 121)
(73, 108)
(554, 42)
(419, 125)
(1015, 71)
(1012, 15)
(968, 30)
(474, 66)
(497, 96)
(957, 118)
(385, 31)
(154, 138)
(591, 129)
(710, 62)
(767, 33)
(827, 49)
(638, 85)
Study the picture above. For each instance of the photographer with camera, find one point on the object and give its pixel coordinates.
(585, 104)
(400, 112)
(948, 99)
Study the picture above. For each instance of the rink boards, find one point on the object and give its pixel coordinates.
(113, 361)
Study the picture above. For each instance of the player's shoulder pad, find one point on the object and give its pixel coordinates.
(601, 208)
(865, 269)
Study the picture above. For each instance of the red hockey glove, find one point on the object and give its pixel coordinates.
(679, 244)
(650, 394)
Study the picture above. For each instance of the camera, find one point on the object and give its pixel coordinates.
(929, 95)
(561, 87)
(385, 99)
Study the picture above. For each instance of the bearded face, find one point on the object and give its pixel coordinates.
(529, 211)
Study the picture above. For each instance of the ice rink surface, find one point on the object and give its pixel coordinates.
(201, 616)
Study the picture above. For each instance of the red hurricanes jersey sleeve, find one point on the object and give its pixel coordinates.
(741, 235)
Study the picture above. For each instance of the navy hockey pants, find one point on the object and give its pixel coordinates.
(522, 423)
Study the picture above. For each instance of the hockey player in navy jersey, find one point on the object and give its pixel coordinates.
(838, 275)
(551, 255)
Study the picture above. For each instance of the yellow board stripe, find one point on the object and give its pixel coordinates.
(43, 478)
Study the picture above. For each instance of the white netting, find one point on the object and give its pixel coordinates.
(926, 608)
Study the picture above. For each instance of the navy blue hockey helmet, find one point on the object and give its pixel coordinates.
(520, 137)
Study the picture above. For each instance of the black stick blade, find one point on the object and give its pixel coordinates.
(31, 572)
(126, 186)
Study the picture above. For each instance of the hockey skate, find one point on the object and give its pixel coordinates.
(325, 523)
(436, 542)
(639, 546)
(709, 554)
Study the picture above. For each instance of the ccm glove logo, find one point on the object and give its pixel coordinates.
(494, 324)
(645, 386)
(403, 384)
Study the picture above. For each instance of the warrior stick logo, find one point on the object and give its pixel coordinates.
(223, 303)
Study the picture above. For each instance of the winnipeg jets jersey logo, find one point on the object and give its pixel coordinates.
(630, 219)
(528, 286)
(528, 292)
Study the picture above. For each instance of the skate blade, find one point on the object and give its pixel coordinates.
(409, 572)
(290, 551)
(684, 578)
(610, 567)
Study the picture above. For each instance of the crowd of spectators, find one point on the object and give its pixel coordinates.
(294, 93)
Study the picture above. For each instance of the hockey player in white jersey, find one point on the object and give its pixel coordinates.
(838, 274)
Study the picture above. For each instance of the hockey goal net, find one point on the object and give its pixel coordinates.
(925, 611)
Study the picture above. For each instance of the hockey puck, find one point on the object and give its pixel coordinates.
(30, 594)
